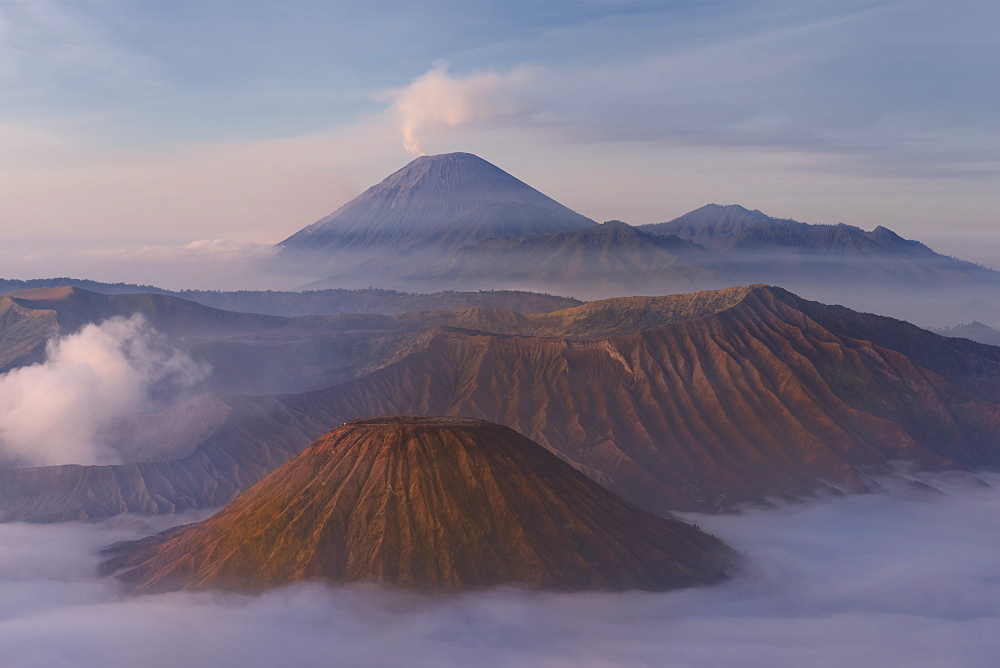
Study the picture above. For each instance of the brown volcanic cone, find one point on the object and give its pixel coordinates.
(431, 503)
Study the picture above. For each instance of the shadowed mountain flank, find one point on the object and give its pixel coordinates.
(612, 257)
(437, 201)
(698, 402)
(442, 504)
(761, 248)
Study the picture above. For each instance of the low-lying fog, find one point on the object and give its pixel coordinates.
(898, 289)
(900, 578)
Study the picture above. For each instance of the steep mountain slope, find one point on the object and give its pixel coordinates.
(23, 333)
(437, 201)
(700, 401)
(611, 258)
(430, 503)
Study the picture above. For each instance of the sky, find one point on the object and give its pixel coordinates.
(901, 578)
(133, 129)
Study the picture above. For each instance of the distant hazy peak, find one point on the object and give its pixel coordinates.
(730, 210)
(447, 200)
(974, 331)
(734, 227)
(718, 215)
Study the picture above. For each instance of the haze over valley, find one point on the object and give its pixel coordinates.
(499, 333)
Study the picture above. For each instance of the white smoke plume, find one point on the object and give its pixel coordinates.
(62, 410)
(437, 100)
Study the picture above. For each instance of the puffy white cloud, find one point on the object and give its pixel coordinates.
(61, 410)
(438, 100)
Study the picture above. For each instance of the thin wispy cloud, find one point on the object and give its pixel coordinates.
(51, 43)
(785, 89)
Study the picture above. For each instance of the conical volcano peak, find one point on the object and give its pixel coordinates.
(468, 163)
(462, 177)
(433, 433)
(439, 504)
(444, 201)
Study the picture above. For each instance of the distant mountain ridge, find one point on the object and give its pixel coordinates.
(613, 255)
(437, 201)
(734, 228)
(330, 301)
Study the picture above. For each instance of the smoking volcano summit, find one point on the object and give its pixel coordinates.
(440, 202)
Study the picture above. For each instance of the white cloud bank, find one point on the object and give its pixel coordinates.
(62, 410)
(877, 580)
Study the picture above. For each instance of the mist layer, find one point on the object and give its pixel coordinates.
(899, 578)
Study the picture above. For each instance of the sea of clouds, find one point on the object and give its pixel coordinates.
(902, 578)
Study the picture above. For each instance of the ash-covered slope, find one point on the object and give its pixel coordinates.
(700, 401)
(437, 201)
(443, 504)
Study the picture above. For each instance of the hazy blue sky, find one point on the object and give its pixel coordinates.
(128, 123)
